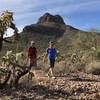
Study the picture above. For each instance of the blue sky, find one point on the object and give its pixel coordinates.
(82, 14)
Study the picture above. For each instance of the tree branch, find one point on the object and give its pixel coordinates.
(7, 41)
(18, 66)
(22, 72)
(5, 80)
(13, 26)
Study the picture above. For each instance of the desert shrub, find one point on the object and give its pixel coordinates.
(93, 67)
(98, 55)
(60, 67)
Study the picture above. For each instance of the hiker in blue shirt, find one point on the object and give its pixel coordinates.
(51, 54)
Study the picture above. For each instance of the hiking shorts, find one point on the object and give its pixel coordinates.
(52, 63)
(33, 62)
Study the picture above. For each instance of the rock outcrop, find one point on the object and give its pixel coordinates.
(47, 25)
(51, 18)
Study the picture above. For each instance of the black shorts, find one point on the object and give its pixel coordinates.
(52, 62)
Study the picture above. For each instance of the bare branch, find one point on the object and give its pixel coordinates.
(7, 41)
(6, 80)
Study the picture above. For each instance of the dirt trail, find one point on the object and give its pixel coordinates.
(73, 86)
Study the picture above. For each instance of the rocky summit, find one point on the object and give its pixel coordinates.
(47, 24)
(47, 17)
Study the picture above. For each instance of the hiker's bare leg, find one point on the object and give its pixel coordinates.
(31, 62)
(48, 73)
(34, 68)
(51, 71)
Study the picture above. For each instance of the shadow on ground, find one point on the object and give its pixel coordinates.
(33, 93)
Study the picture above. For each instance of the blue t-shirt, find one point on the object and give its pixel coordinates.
(51, 53)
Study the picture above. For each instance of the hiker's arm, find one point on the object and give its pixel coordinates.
(27, 55)
(45, 56)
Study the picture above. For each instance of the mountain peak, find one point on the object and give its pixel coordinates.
(47, 17)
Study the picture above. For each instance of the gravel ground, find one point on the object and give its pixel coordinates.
(73, 86)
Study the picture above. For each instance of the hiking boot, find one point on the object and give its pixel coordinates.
(48, 75)
(53, 77)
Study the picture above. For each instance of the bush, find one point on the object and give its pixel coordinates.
(94, 68)
(98, 55)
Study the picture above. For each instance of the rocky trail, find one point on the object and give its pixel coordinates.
(72, 86)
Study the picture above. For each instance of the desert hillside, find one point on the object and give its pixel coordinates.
(52, 27)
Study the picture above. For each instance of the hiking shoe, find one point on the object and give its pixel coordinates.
(48, 75)
(53, 77)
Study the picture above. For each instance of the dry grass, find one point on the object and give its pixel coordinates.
(93, 67)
